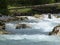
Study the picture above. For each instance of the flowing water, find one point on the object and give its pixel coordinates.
(37, 34)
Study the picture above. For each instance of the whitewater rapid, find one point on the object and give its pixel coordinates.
(33, 38)
(37, 25)
(39, 29)
(36, 35)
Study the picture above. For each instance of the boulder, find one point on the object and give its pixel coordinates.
(49, 16)
(55, 31)
(37, 16)
(23, 18)
(18, 26)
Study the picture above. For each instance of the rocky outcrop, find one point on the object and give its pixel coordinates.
(55, 31)
(18, 26)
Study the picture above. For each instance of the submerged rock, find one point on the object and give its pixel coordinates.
(22, 18)
(49, 16)
(54, 33)
(18, 26)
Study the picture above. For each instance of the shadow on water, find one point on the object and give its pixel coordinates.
(28, 31)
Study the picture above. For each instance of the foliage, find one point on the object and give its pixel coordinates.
(31, 2)
(4, 4)
(3, 7)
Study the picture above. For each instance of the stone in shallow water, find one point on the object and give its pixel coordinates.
(49, 16)
(55, 31)
(18, 26)
(22, 18)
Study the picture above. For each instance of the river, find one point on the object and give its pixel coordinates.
(36, 35)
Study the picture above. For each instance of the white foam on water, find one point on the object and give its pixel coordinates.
(10, 26)
(45, 24)
(34, 38)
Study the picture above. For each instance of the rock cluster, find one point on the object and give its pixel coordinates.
(22, 18)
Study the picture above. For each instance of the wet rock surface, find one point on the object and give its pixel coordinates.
(55, 31)
(22, 18)
(49, 16)
(18, 26)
